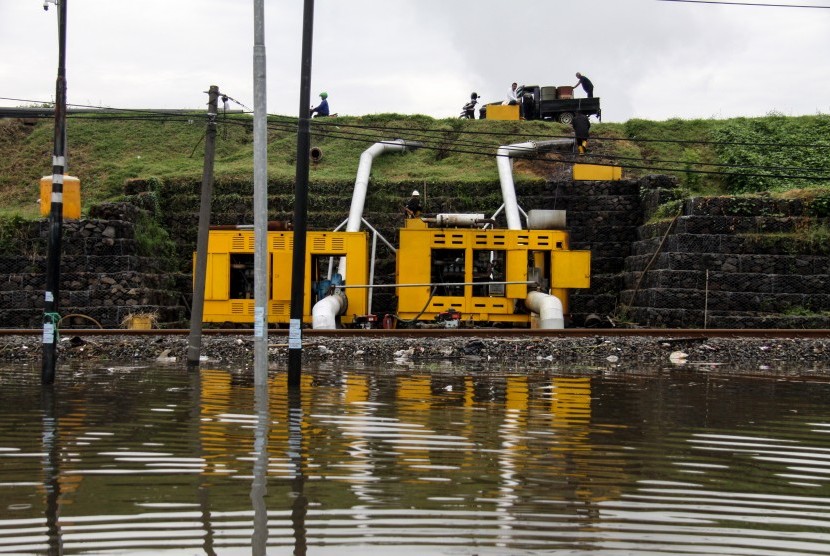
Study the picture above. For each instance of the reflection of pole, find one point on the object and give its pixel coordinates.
(51, 468)
(194, 347)
(53, 260)
(259, 541)
(202, 486)
(295, 335)
(295, 455)
(260, 200)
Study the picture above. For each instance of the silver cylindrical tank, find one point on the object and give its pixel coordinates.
(538, 219)
(460, 220)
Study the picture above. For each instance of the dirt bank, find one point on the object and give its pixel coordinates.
(743, 354)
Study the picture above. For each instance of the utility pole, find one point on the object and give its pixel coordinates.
(295, 325)
(197, 308)
(260, 200)
(51, 305)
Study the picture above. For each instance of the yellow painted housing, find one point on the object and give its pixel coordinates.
(596, 172)
(71, 197)
(229, 283)
(460, 269)
(502, 112)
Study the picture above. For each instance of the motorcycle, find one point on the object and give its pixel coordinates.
(468, 110)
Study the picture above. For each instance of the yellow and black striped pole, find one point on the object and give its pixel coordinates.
(51, 318)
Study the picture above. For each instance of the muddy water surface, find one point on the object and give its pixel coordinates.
(414, 460)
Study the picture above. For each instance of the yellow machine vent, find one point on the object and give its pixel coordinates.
(448, 239)
(338, 244)
(238, 307)
(238, 243)
(280, 243)
(489, 240)
(543, 241)
(319, 243)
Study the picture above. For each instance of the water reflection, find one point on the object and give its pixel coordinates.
(259, 488)
(415, 461)
(299, 507)
(51, 470)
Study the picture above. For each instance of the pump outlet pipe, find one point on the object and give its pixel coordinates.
(361, 183)
(325, 311)
(504, 163)
(549, 309)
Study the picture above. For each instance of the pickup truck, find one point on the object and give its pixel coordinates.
(542, 103)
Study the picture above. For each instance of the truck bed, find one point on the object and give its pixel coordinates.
(552, 109)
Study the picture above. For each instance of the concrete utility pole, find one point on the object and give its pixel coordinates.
(295, 325)
(197, 309)
(51, 306)
(260, 200)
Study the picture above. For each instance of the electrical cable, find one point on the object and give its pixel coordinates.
(290, 121)
(439, 143)
(753, 4)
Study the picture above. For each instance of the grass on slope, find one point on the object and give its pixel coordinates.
(105, 150)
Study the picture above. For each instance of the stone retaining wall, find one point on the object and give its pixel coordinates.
(724, 262)
(103, 278)
(730, 262)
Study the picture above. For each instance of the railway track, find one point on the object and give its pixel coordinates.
(460, 332)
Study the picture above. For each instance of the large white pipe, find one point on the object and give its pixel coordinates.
(364, 169)
(504, 163)
(324, 313)
(361, 184)
(549, 309)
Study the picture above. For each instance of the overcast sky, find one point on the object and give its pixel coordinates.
(647, 58)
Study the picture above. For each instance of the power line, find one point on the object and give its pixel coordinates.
(486, 150)
(166, 114)
(437, 140)
(756, 4)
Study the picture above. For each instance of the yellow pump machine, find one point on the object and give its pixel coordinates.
(451, 269)
(229, 283)
(483, 275)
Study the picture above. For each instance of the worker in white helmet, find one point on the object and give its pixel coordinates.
(413, 207)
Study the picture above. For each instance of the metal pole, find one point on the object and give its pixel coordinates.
(194, 346)
(372, 272)
(260, 200)
(706, 303)
(53, 261)
(295, 335)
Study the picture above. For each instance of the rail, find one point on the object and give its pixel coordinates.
(506, 333)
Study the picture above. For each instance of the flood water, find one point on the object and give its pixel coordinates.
(415, 460)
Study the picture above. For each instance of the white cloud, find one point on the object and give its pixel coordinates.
(647, 59)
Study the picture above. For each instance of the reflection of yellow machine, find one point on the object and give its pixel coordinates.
(483, 274)
(229, 284)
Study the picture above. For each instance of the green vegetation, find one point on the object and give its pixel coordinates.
(153, 240)
(804, 312)
(13, 230)
(812, 239)
(791, 149)
(709, 157)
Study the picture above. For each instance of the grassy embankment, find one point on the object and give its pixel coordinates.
(737, 156)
